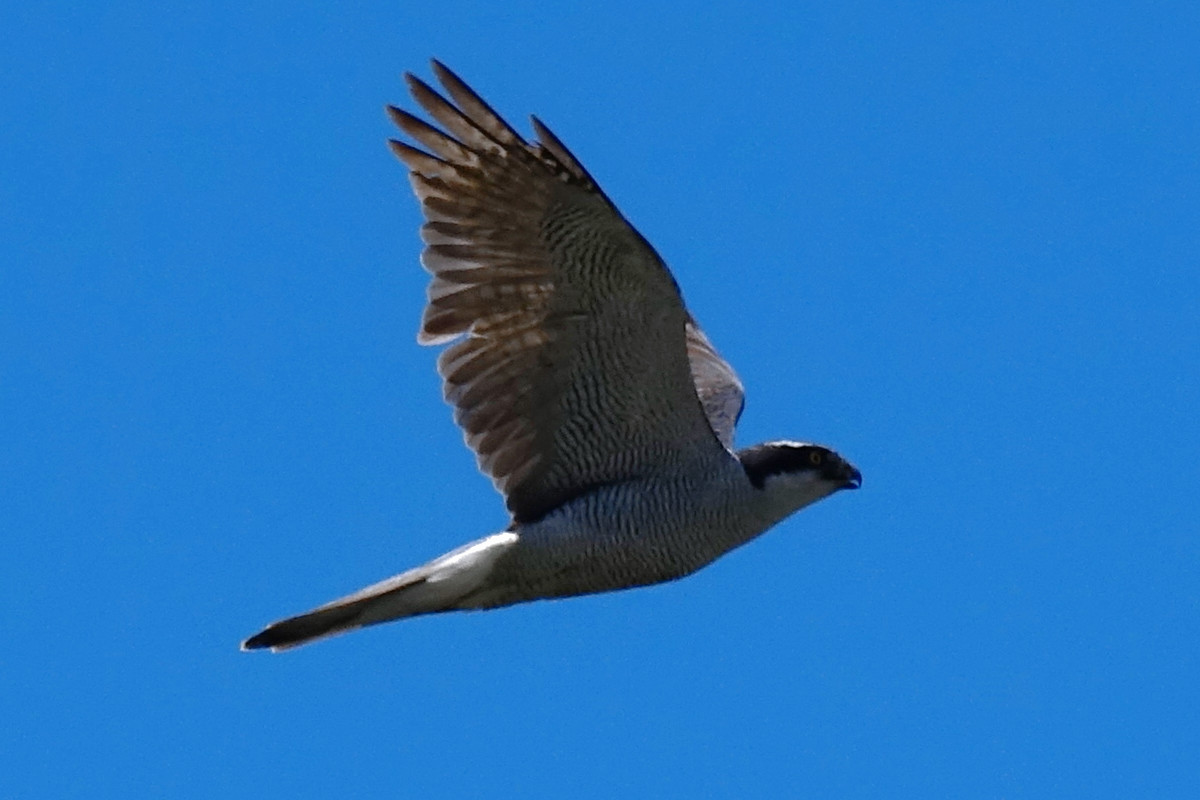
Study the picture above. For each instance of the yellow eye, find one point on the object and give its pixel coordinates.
(815, 458)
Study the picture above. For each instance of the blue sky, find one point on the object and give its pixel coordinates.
(958, 243)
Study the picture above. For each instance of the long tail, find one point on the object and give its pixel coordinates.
(456, 580)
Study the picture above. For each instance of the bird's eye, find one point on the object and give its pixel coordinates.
(815, 458)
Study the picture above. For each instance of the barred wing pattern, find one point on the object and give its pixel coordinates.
(572, 355)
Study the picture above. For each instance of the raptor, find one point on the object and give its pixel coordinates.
(589, 394)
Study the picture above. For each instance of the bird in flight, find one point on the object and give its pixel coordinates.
(591, 397)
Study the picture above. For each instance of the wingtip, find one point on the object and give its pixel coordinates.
(538, 127)
(443, 72)
(415, 84)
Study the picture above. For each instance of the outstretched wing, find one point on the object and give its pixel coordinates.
(573, 356)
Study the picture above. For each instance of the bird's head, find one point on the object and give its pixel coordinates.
(795, 474)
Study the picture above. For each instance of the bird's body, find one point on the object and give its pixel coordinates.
(637, 533)
(590, 395)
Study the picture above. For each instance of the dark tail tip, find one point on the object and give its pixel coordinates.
(265, 638)
(304, 628)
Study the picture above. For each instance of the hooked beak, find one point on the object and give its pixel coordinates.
(851, 477)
